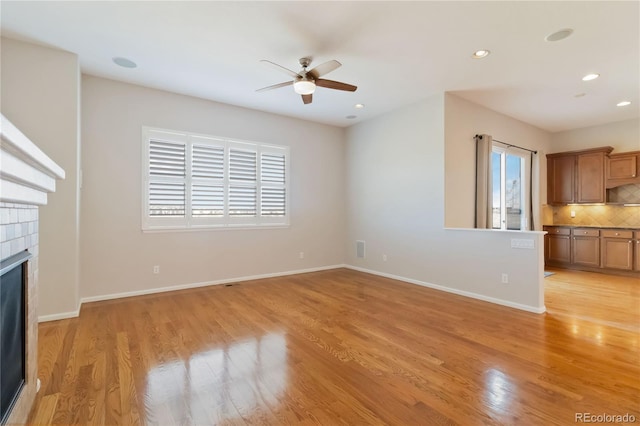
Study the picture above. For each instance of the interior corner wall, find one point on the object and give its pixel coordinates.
(622, 136)
(396, 205)
(40, 95)
(464, 120)
(118, 258)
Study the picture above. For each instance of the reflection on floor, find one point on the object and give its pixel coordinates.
(600, 299)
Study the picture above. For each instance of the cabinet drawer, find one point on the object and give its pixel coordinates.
(638, 238)
(558, 231)
(586, 232)
(613, 233)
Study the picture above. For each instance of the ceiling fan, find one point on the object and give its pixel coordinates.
(305, 82)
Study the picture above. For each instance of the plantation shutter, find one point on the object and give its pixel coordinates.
(166, 179)
(242, 183)
(273, 191)
(207, 173)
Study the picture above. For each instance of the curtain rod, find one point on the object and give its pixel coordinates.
(510, 145)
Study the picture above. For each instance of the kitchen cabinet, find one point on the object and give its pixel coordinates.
(577, 176)
(590, 178)
(637, 251)
(593, 249)
(622, 169)
(585, 247)
(561, 172)
(617, 249)
(557, 245)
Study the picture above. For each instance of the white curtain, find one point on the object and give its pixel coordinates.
(484, 210)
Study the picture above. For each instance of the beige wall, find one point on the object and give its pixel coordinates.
(117, 257)
(396, 204)
(622, 136)
(463, 120)
(40, 95)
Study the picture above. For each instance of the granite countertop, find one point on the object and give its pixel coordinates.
(630, 228)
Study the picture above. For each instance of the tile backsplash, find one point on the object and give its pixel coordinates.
(600, 215)
(624, 194)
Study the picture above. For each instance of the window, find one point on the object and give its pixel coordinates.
(198, 181)
(510, 174)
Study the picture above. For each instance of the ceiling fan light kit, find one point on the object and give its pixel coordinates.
(304, 86)
(305, 82)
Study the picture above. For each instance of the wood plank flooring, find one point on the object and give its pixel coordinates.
(344, 347)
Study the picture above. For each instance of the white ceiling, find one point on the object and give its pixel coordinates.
(397, 53)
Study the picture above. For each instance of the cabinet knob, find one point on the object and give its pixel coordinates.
(617, 233)
(585, 232)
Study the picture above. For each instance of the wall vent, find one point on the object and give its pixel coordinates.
(360, 248)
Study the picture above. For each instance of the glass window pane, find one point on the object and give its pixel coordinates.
(513, 192)
(495, 170)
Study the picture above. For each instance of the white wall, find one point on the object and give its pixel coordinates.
(118, 258)
(396, 204)
(622, 136)
(40, 95)
(464, 120)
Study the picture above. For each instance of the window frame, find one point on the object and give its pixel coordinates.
(525, 187)
(190, 223)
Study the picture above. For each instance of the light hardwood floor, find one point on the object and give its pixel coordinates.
(344, 347)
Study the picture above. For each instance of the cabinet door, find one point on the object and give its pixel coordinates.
(586, 251)
(637, 252)
(558, 248)
(560, 179)
(617, 253)
(591, 178)
(622, 166)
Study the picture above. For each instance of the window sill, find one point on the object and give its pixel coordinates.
(242, 227)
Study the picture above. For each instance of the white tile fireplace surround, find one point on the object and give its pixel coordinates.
(27, 175)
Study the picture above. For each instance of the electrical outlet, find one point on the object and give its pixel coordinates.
(573, 213)
(301, 255)
(156, 269)
(505, 278)
(384, 257)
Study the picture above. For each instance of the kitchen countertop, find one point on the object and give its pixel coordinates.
(629, 228)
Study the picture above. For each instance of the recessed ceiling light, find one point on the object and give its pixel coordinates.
(590, 77)
(579, 95)
(124, 62)
(559, 35)
(351, 117)
(479, 54)
(623, 103)
(358, 106)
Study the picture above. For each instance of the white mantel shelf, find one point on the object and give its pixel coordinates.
(27, 174)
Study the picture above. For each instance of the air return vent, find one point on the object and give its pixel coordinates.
(360, 249)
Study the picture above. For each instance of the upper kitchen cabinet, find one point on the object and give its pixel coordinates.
(577, 176)
(622, 169)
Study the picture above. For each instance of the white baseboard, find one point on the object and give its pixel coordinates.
(112, 296)
(534, 309)
(60, 316)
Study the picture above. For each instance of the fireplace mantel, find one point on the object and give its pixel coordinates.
(27, 176)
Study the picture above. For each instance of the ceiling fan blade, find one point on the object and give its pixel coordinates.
(325, 68)
(330, 84)
(281, 68)
(275, 86)
(307, 99)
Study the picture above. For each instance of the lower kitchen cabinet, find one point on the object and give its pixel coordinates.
(593, 249)
(557, 245)
(637, 251)
(617, 249)
(585, 247)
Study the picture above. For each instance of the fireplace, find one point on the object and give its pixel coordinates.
(13, 351)
(27, 177)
